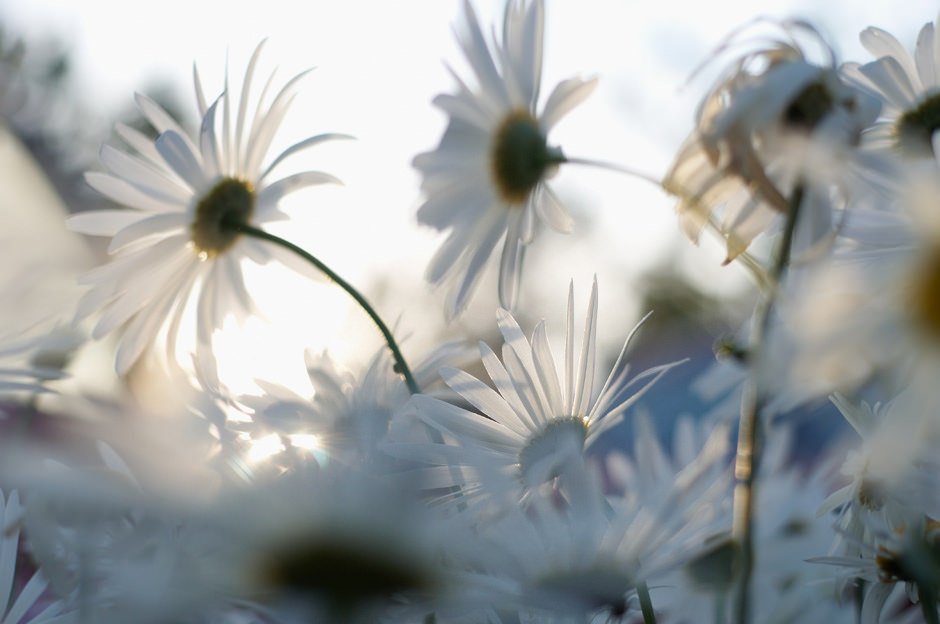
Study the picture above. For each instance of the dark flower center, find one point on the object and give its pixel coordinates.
(231, 201)
(925, 295)
(809, 107)
(549, 449)
(521, 156)
(915, 128)
(344, 574)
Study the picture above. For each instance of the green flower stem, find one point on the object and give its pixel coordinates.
(747, 459)
(646, 603)
(601, 164)
(401, 367)
(928, 602)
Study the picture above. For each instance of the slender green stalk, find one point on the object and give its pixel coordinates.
(401, 367)
(747, 460)
(928, 602)
(646, 603)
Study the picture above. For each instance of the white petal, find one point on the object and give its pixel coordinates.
(890, 78)
(551, 211)
(160, 119)
(147, 227)
(302, 145)
(271, 195)
(9, 541)
(184, 161)
(27, 598)
(510, 266)
(565, 96)
(482, 397)
(588, 356)
(145, 177)
(926, 59)
(243, 101)
(466, 426)
(121, 192)
(102, 222)
(266, 125)
(881, 44)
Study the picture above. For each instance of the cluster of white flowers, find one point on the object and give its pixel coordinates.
(434, 494)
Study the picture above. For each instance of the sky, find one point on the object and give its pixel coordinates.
(378, 66)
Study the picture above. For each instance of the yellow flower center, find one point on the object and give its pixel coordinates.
(520, 157)
(231, 201)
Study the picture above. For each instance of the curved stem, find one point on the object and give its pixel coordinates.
(401, 367)
(614, 167)
(747, 459)
(646, 603)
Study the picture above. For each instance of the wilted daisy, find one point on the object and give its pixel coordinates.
(908, 87)
(533, 427)
(773, 123)
(485, 182)
(177, 239)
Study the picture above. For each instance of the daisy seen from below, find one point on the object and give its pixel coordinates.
(176, 240)
(908, 87)
(485, 182)
(532, 429)
(773, 124)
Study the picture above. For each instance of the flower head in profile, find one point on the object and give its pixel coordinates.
(773, 122)
(534, 427)
(908, 88)
(485, 182)
(176, 239)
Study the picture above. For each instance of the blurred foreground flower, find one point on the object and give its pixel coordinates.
(907, 87)
(485, 180)
(185, 197)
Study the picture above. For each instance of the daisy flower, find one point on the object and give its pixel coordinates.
(176, 241)
(485, 182)
(908, 87)
(773, 122)
(532, 427)
(587, 559)
(347, 418)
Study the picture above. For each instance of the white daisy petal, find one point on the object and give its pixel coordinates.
(150, 226)
(271, 195)
(566, 95)
(552, 212)
(183, 160)
(925, 55)
(302, 145)
(127, 194)
(102, 222)
(144, 177)
(882, 44)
